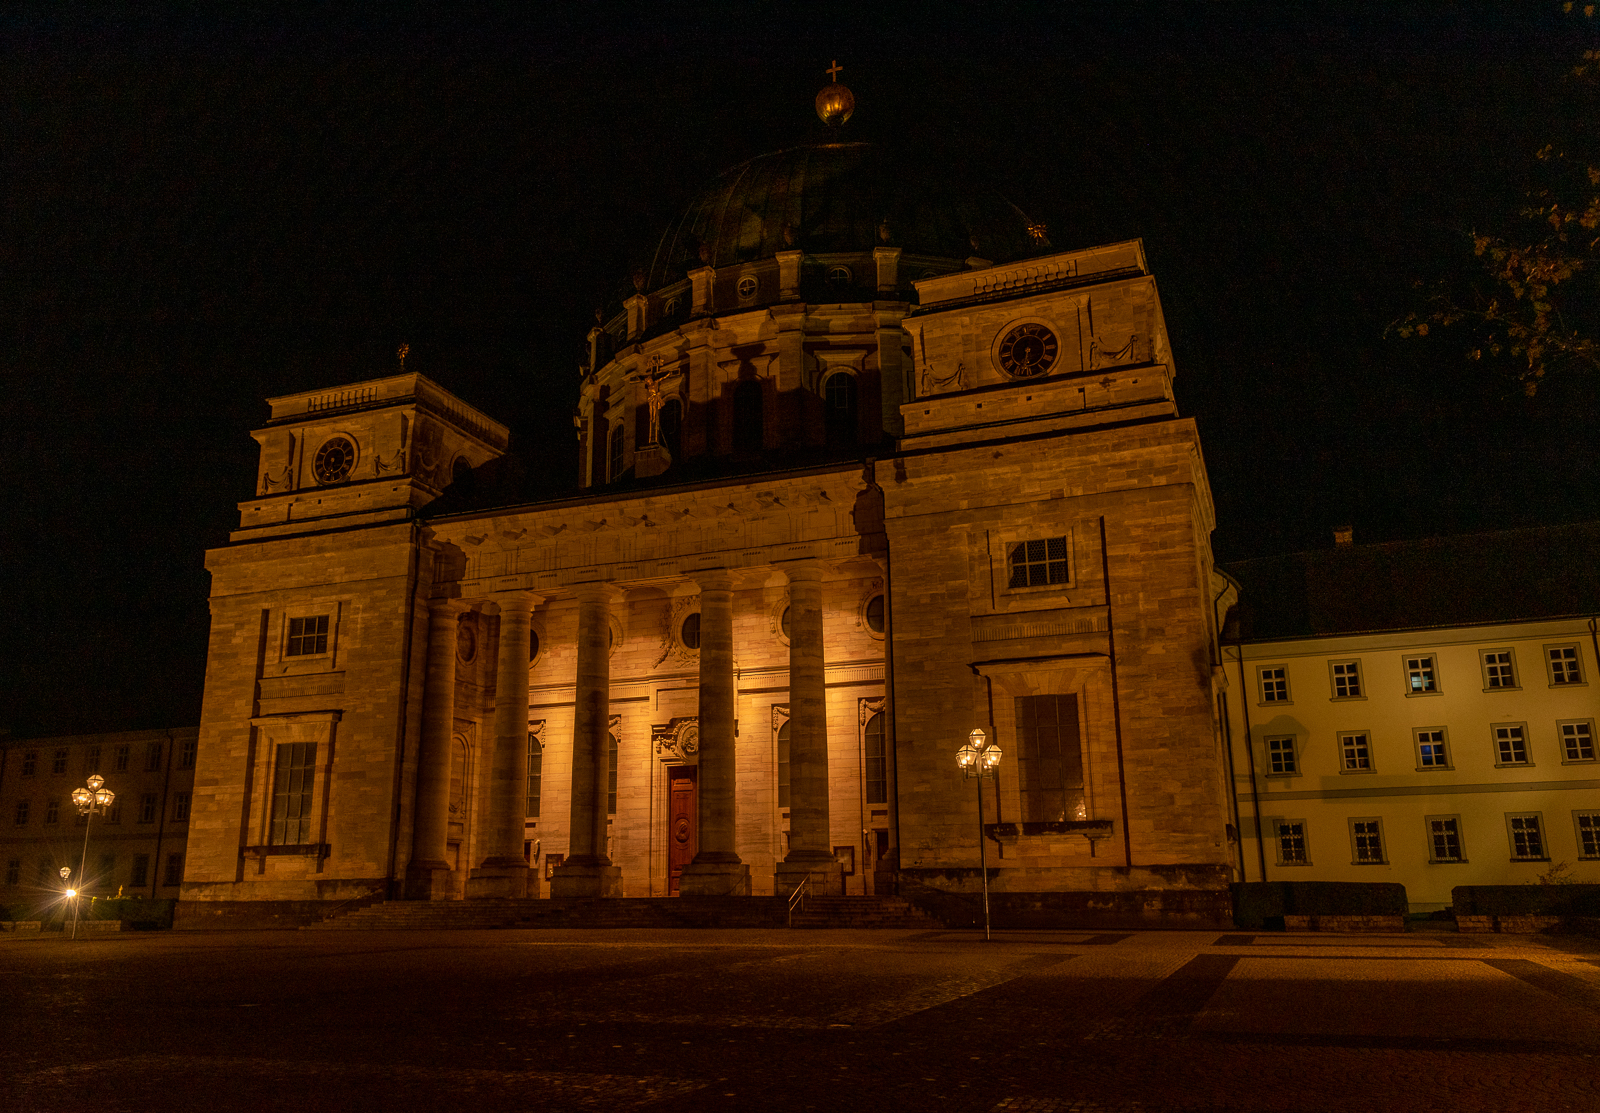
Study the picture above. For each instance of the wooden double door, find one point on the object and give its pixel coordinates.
(683, 835)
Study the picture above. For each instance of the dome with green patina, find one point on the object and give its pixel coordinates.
(836, 197)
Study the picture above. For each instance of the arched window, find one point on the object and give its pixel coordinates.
(877, 762)
(783, 766)
(839, 408)
(614, 470)
(749, 418)
(535, 775)
(611, 775)
(672, 426)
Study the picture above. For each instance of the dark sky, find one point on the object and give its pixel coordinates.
(203, 209)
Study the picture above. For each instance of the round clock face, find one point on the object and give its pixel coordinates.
(1028, 350)
(335, 461)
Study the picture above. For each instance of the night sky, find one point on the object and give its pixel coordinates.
(203, 210)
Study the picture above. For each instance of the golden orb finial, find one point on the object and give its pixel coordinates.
(835, 104)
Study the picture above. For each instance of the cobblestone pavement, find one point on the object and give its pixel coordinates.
(828, 1020)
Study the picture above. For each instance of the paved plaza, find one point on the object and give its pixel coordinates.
(724, 1020)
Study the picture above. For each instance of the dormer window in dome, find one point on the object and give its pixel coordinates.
(840, 277)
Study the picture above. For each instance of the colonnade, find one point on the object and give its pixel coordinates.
(586, 871)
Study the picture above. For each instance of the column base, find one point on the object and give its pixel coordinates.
(429, 881)
(827, 877)
(577, 881)
(714, 879)
(499, 879)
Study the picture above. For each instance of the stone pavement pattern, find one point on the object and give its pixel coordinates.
(839, 1020)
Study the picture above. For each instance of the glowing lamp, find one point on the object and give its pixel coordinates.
(104, 797)
(72, 892)
(95, 782)
(82, 797)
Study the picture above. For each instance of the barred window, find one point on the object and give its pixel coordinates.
(307, 636)
(1366, 836)
(1444, 839)
(291, 793)
(1039, 562)
(1292, 843)
(1588, 825)
(1527, 837)
(1281, 757)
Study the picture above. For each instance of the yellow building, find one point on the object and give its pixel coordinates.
(1419, 712)
(863, 464)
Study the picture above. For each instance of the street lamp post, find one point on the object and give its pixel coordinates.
(92, 801)
(978, 760)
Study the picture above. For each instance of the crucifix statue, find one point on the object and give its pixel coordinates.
(652, 378)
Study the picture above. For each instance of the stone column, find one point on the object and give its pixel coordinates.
(587, 871)
(504, 872)
(716, 869)
(810, 839)
(428, 875)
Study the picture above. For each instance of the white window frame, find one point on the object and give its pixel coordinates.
(1461, 839)
(1345, 756)
(1353, 669)
(1412, 662)
(1277, 841)
(1443, 740)
(1580, 727)
(1578, 817)
(1577, 664)
(1293, 750)
(1503, 658)
(1383, 841)
(1500, 761)
(1544, 836)
(1261, 686)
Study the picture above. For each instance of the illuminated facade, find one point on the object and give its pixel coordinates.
(861, 465)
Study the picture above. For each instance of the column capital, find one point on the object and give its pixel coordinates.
(599, 591)
(809, 568)
(713, 579)
(447, 605)
(517, 600)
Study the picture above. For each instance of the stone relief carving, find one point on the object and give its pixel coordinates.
(672, 637)
(934, 383)
(678, 739)
(780, 715)
(868, 706)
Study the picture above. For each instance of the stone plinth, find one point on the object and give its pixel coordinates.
(492, 880)
(652, 459)
(429, 881)
(580, 881)
(827, 878)
(715, 879)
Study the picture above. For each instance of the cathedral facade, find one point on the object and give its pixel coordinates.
(862, 466)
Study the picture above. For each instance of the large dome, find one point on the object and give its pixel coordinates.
(835, 197)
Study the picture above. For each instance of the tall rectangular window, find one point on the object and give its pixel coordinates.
(1050, 758)
(186, 752)
(107, 877)
(291, 793)
(1420, 676)
(1366, 841)
(22, 812)
(58, 763)
(1356, 752)
(174, 870)
(14, 871)
(1510, 744)
(1039, 562)
(877, 767)
(611, 775)
(1563, 661)
(1292, 843)
(1444, 838)
(1346, 679)
(1498, 671)
(114, 812)
(1281, 756)
(1577, 740)
(783, 765)
(307, 636)
(141, 870)
(52, 812)
(1274, 683)
(119, 758)
(1588, 829)
(147, 807)
(180, 807)
(1527, 837)
(1433, 749)
(535, 776)
(152, 757)
(30, 762)
(91, 759)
